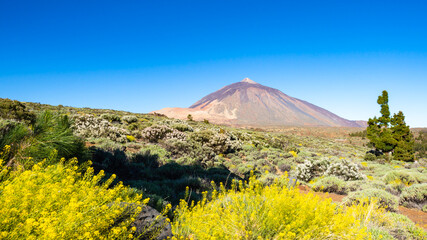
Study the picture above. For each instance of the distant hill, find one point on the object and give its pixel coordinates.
(250, 103)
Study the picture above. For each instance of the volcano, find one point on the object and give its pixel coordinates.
(252, 104)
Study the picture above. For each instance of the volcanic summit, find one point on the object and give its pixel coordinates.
(252, 104)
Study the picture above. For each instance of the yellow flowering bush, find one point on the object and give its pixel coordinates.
(61, 201)
(130, 138)
(293, 153)
(271, 212)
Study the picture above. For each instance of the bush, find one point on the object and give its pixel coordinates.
(357, 185)
(400, 227)
(345, 170)
(53, 132)
(182, 127)
(385, 199)
(159, 132)
(311, 169)
(216, 142)
(283, 167)
(130, 138)
(274, 212)
(50, 133)
(133, 126)
(89, 126)
(129, 119)
(178, 147)
(12, 133)
(61, 202)
(15, 110)
(399, 177)
(330, 184)
(152, 153)
(414, 196)
(398, 180)
(111, 117)
(370, 157)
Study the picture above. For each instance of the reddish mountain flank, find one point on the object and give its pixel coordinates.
(252, 104)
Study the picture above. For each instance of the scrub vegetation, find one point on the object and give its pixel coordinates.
(86, 173)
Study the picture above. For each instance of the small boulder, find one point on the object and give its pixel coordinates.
(149, 222)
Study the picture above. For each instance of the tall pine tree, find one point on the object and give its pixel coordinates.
(391, 135)
(378, 130)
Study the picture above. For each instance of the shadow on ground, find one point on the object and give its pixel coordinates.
(161, 182)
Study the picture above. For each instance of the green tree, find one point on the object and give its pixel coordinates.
(404, 149)
(189, 117)
(378, 131)
(384, 120)
(391, 135)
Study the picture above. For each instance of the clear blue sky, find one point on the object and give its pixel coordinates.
(142, 56)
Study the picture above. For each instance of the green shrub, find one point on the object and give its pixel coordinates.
(385, 199)
(399, 177)
(401, 227)
(107, 144)
(268, 179)
(15, 110)
(129, 119)
(370, 157)
(284, 167)
(111, 117)
(414, 196)
(12, 134)
(156, 150)
(133, 126)
(358, 185)
(182, 127)
(53, 132)
(330, 184)
(50, 133)
(293, 149)
(186, 161)
(380, 233)
(247, 147)
(420, 177)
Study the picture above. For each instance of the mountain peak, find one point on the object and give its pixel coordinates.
(247, 80)
(248, 103)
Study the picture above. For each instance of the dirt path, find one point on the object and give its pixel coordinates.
(417, 216)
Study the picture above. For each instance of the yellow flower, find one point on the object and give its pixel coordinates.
(47, 202)
(272, 212)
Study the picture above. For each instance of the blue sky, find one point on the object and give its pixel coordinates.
(142, 56)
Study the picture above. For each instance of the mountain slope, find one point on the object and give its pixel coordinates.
(250, 103)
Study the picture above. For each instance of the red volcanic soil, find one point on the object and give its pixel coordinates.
(417, 216)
